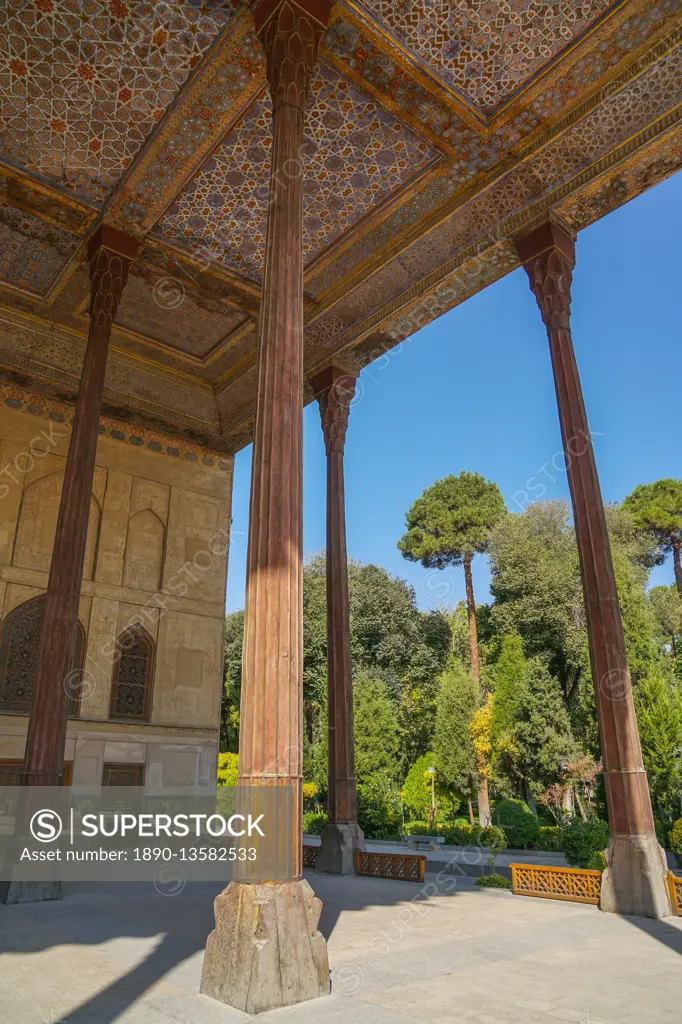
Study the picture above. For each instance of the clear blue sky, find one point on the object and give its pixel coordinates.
(474, 391)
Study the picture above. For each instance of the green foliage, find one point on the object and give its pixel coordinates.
(657, 508)
(452, 520)
(232, 682)
(379, 810)
(416, 790)
(675, 838)
(461, 835)
(597, 861)
(659, 714)
(452, 743)
(494, 881)
(314, 823)
(376, 730)
(549, 838)
(521, 826)
(582, 839)
(509, 675)
(542, 732)
(666, 605)
(228, 768)
(419, 828)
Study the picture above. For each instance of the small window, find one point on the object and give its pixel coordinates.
(10, 773)
(133, 675)
(123, 775)
(19, 648)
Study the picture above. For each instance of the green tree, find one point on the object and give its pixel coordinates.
(657, 508)
(376, 730)
(453, 745)
(542, 731)
(659, 714)
(508, 674)
(232, 682)
(667, 608)
(449, 524)
(417, 789)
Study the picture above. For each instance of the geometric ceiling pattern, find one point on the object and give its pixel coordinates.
(485, 49)
(82, 84)
(357, 155)
(436, 132)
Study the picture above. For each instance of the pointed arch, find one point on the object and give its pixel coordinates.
(131, 688)
(38, 522)
(145, 547)
(19, 647)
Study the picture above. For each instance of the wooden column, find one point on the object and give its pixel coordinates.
(265, 951)
(111, 255)
(634, 881)
(334, 388)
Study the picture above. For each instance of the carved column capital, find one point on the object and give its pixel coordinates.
(334, 389)
(290, 31)
(111, 253)
(548, 256)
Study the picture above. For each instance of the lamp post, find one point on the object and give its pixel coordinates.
(432, 772)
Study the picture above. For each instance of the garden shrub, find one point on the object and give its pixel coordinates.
(228, 767)
(379, 814)
(419, 828)
(314, 823)
(463, 835)
(597, 861)
(494, 881)
(549, 838)
(520, 824)
(582, 839)
(675, 838)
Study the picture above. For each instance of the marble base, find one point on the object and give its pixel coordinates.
(336, 855)
(266, 951)
(635, 879)
(29, 892)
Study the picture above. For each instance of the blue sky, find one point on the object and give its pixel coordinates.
(474, 391)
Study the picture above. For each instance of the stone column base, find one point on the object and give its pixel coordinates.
(336, 855)
(634, 881)
(266, 951)
(29, 892)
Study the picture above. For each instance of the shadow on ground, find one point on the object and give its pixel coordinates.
(94, 914)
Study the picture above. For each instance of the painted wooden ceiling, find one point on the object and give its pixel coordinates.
(436, 132)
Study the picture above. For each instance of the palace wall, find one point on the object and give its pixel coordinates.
(156, 561)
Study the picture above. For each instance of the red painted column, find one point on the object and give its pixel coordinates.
(266, 951)
(111, 255)
(334, 388)
(634, 882)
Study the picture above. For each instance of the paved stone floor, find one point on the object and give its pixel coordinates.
(131, 955)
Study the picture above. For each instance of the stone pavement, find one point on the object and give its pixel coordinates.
(399, 955)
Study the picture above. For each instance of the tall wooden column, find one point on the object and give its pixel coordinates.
(334, 388)
(634, 881)
(111, 255)
(266, 951)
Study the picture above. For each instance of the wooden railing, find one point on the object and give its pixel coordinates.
(406, 867)
(575, 884)
(675, 888)
(309, 855)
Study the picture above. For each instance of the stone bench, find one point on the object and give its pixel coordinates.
(424, 842)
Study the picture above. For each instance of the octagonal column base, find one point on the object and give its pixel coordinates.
(635, 879)
(266, 951)
(340, 840)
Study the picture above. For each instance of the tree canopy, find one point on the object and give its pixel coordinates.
(657, 508)
(452, 520)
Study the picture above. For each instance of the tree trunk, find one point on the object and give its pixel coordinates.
(471, 610)
(471, 813)
(674, 646)
(678, 568)
(484, 817)
(580, 805)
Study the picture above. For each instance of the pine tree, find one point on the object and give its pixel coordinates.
(659, 714)
(542, 732)
(376, 730)
(452, 742)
